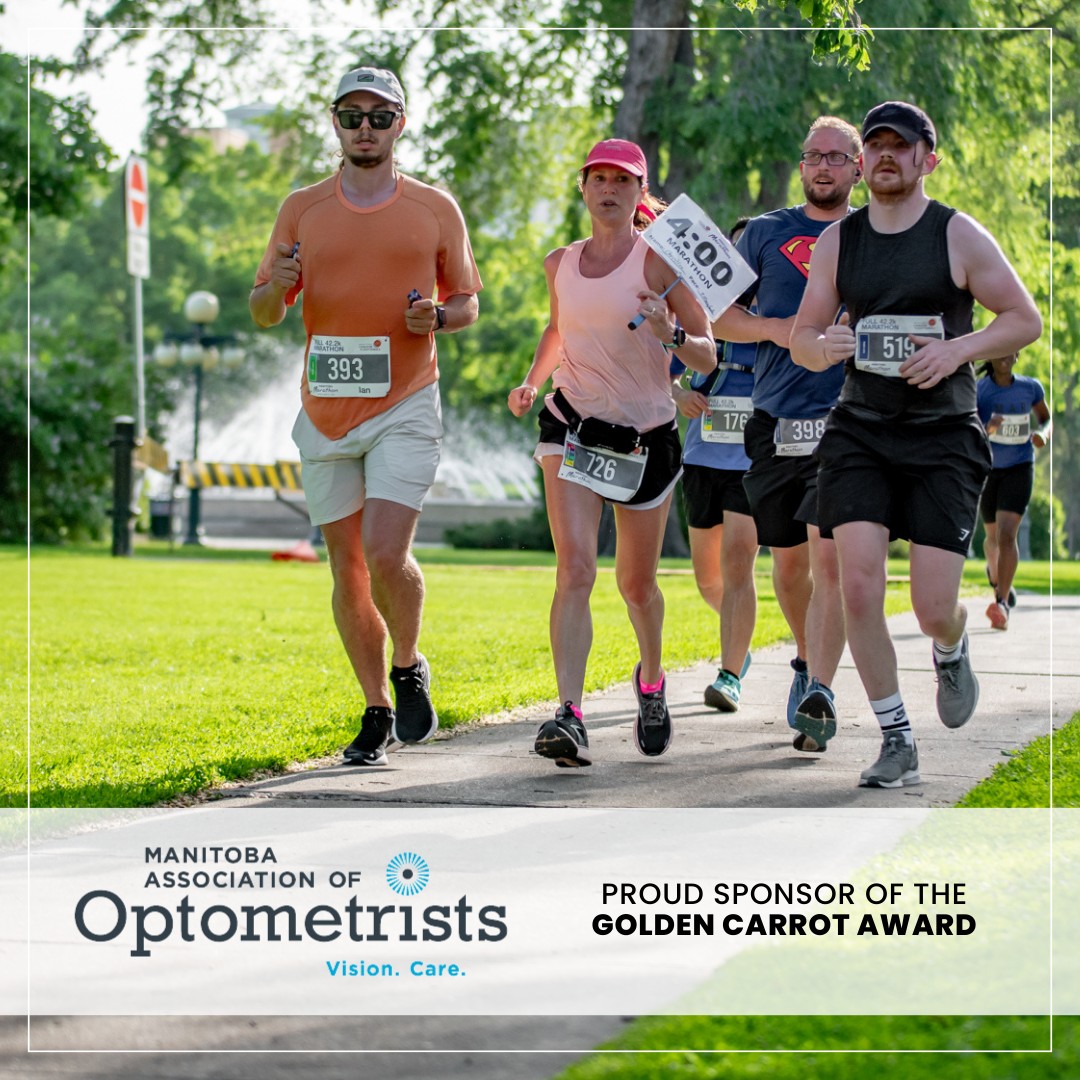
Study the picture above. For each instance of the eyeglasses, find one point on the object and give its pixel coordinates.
(379, 119)
(833, 157)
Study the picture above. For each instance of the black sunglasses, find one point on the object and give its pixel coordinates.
(379, 119)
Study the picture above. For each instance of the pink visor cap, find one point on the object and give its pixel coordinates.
(626, 155)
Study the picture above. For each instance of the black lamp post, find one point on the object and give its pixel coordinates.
(200, 309)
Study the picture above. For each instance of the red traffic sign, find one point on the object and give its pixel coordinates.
(137, 197)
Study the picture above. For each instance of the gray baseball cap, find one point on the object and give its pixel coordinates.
(378, 81)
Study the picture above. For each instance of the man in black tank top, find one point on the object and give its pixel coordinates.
(903, 454)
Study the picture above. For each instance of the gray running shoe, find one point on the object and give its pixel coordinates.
(958, 689)
(799, 686)
(897, 765)
(816, 715)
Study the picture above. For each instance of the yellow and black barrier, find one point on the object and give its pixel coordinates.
(281, 476)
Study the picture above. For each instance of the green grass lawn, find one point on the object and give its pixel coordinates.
(157, 676)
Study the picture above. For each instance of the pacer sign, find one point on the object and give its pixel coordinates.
(685, 238)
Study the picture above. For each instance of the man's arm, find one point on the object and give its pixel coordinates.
(461, 310)
(267, 301)
(817, 342)
(978, 265)
(741, 327)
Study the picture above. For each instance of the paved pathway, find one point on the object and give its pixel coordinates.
(1030, 679)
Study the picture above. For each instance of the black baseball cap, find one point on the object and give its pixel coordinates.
(908, 121)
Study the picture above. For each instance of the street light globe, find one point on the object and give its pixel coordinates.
(201, 307)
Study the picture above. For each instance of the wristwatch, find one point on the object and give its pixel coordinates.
(678, 339)
(440, 316)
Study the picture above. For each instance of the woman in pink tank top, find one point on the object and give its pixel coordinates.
(608, 433)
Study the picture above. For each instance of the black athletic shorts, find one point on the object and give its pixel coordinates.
(782, 491)
(1006, 489)
(710, 493)
(921, 481)
(664, 465)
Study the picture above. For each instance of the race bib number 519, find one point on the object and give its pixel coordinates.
(882, 342)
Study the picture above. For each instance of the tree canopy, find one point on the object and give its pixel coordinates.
(508, 98)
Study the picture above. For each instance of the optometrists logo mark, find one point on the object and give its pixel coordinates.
(407, 874)
(797, 250)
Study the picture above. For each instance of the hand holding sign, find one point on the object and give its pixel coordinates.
(705, 260)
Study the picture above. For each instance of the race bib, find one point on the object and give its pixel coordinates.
(349, 366)
(611, 475)
(881, 341)
(726, 419)
(798, 438)
(1014, 430)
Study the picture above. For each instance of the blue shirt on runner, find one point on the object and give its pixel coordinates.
(716, 455)
(777, 247)
(1016, 399)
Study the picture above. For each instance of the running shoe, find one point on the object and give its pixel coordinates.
(816, 715)
(1010, 600)
(724, 693)
(799, 687)
(806, 744)
(998, 614)
(369, 746)
(652, 729)
(958, 689)
(897, 765)
(564, 739)
(415, 720)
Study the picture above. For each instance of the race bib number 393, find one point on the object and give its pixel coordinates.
(726, 419)
(882, 343)
(612, 476)
(349, 366)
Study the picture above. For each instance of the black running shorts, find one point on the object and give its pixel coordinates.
(1006, 489)
(782, 491)
(710, 493)
(663, 468)
(921, 481)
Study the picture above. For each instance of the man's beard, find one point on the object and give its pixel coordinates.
(895, 192)
(825, 200)
(368, 159)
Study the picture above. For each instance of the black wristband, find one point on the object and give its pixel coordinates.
(440, 316)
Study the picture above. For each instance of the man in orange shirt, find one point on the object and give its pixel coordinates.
(371, 248)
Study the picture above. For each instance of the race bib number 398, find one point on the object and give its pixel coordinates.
(349, 366)
(798, 438)
(882, 342)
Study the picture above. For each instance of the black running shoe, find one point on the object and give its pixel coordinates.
(652, 729)
(415, 720)
(564, 740)
(369, 746)
(1010, 600)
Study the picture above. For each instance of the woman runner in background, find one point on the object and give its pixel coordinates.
(1006, 402)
